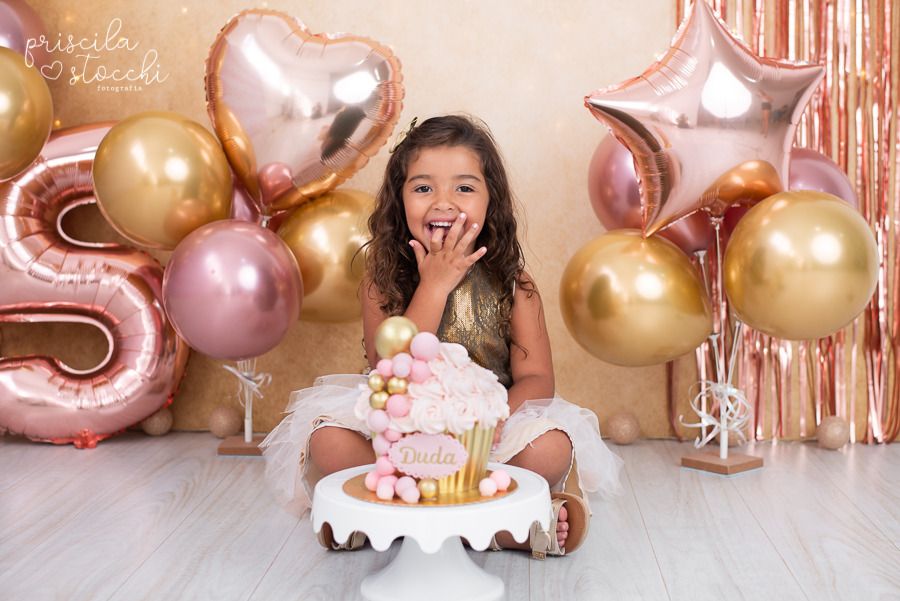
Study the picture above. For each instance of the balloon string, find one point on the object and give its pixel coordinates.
(250, 383)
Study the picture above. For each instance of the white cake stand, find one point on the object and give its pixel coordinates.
(432, 562)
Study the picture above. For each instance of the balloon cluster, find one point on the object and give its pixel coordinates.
(405, 355)
(705, 134)
(232, 287)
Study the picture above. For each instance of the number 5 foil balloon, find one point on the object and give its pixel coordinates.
(710, 124)
(47, 276)
(297, 113)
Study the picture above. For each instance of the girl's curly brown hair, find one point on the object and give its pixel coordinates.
(390, 261)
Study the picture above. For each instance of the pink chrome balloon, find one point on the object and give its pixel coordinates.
(23, 30)
(616, 199)
(232, 289)
(48, 277)
(710, 124)
(297, 113)
(811, 170)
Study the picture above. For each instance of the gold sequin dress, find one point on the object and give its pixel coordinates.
(470, 318)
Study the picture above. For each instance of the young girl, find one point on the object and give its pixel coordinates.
(445, 253)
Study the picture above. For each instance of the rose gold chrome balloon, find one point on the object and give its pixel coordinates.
(297, 113)
(710, 124)
(48, 277)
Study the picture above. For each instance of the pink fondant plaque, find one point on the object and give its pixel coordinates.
(428, 455)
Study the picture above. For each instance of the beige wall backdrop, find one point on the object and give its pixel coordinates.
(523, 67)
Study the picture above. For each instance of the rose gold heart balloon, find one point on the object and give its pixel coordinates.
(297, 113)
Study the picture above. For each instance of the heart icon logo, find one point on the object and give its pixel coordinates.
(52, 71)
(285, 101)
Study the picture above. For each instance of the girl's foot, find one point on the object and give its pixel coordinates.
(506, 541)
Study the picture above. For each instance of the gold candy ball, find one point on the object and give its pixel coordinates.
(376, 381)
(394, 335)
(378, 399)
(428, 488)
(396, 385)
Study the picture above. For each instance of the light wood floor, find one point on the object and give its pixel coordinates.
(166, 519)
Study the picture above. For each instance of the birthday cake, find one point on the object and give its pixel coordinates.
(432, 412)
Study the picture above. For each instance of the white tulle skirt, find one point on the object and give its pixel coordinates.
(330, 402)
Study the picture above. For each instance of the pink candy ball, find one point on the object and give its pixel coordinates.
(385, 367)
(391, 435)
(385, 491)
(384, 466)
(501, 478)
(379, 420)
(402, 364)
(390, 479)
(419, 371)
(397, 405)
(487, 487)
(403, 483)
(372, 480)
(410, 495)
(424, 346)
(381, 444)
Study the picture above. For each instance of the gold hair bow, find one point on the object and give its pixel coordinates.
(402, 135)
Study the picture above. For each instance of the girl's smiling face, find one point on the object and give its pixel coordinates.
(441, 183)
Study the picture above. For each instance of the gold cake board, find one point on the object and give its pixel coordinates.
(356, 487)
(710, 461)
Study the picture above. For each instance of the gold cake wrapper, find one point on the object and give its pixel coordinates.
(477, 442)
(356, 488)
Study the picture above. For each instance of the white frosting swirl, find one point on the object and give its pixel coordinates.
(458, 395)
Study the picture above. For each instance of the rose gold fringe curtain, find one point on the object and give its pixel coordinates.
(852, 119)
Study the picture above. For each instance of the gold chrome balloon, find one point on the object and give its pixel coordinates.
(393, 336)
(633, 301)
(428, 487)
(377, 400)
(158, 176)
(26, 113)
(397, 385)
(800, 265)
(324, 236)
(376, 381)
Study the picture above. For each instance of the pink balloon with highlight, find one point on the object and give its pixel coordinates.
(424, 346)
(410, 495)
(397, 406)
(380, 444)
(403, 483)
(402, 364)
(487, 487)
(379, 420)
(419, 371)
(372, 480)
(385, 367)
(502, 479)
(384, 466)
(385, 491)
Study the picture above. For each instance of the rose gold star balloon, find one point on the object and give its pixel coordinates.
(710, 124)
